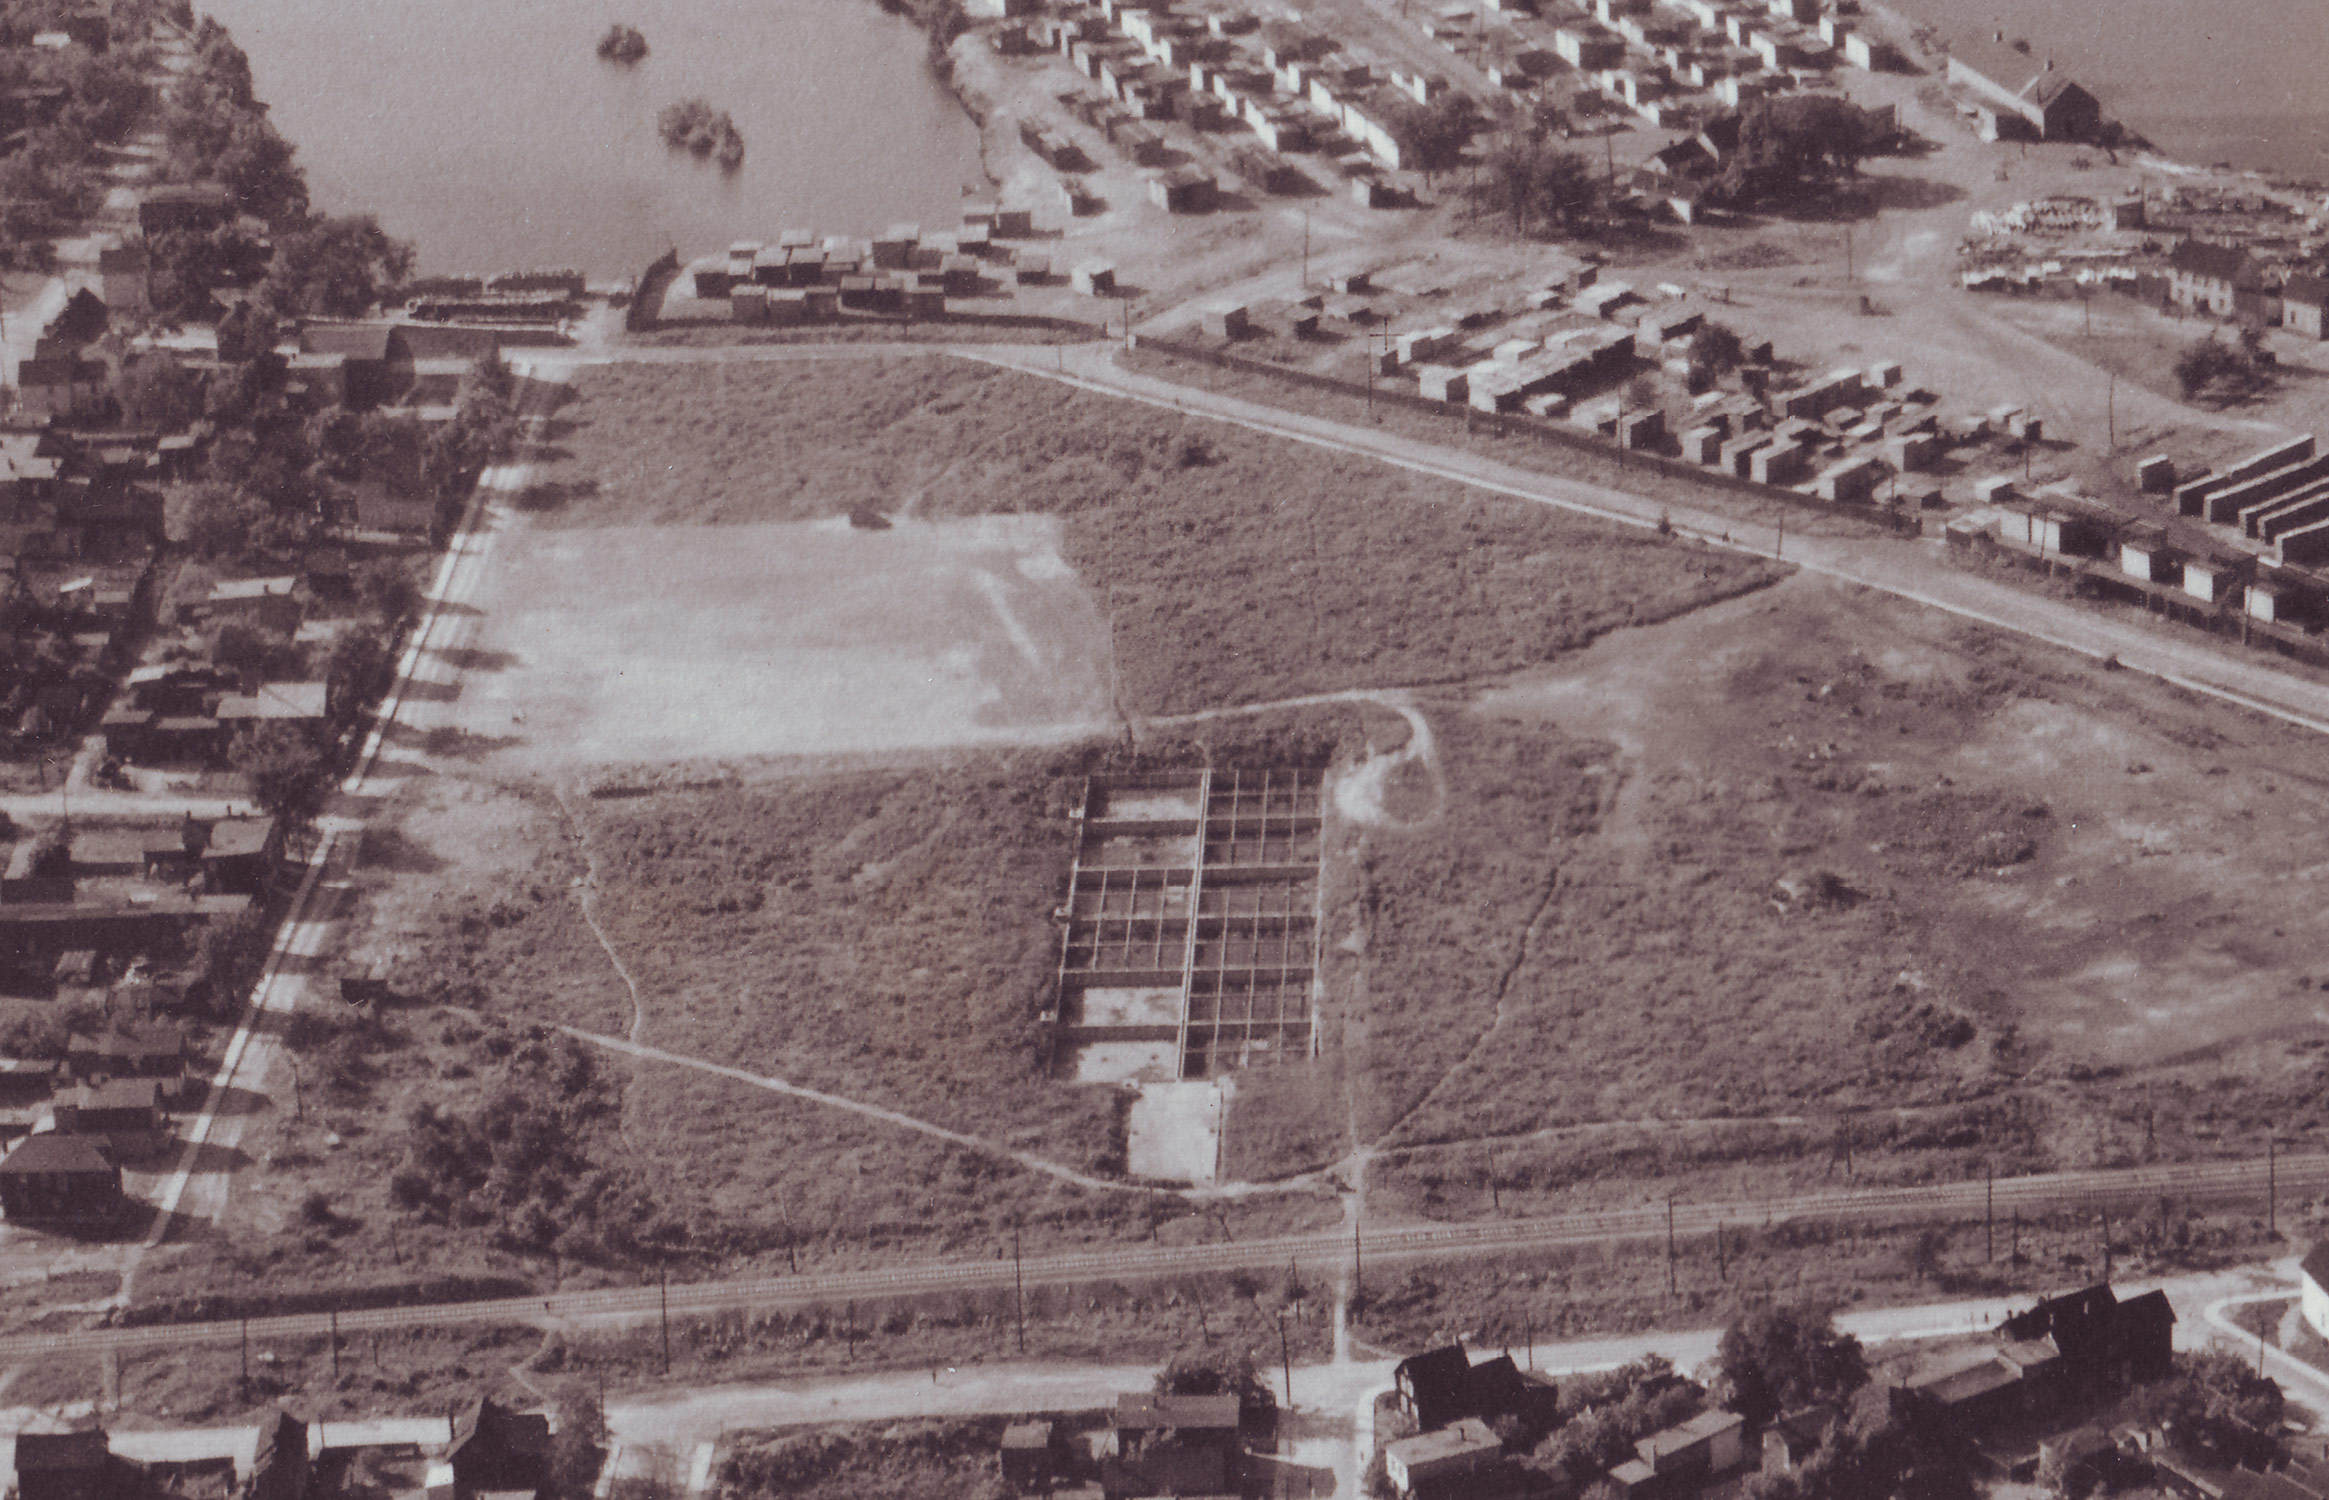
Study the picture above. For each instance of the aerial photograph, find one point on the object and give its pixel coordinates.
(957, 749)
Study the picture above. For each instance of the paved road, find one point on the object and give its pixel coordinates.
(1323, 1253)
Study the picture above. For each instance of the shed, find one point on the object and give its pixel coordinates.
(1026, 1456)
(1094, 278)
(498, 1451)
(1441, 1457)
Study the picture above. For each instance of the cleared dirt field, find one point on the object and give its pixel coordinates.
(635, 643)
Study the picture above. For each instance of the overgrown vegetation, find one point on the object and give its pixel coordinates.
(2224, 370)
(1349, 573)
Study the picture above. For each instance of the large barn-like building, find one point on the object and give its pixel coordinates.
(2024, 91)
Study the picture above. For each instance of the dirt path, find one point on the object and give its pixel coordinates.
(1027, 1159)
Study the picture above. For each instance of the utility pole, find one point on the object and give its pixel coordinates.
(1779, 552)
(1286, 1356)
(1018, 1287)
(2111, 411)
(1495, 1189)
(1989, 1211)
(1722, 1270)
(2271, 1189)
(1357, 1266)
(2106, 1217)
(663, 1282)
(1306, 250)
(335, 1312)
(2017, 1254)
(1669, 1245)
(1848, 277)
(246, 1380)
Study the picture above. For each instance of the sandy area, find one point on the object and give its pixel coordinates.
(1175, 1132)
(641, 643)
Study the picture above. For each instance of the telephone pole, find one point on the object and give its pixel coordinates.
(1669, 1245)
(1286, 1356)
(1989, 1211)
(1018, 1287)
(663, 1300)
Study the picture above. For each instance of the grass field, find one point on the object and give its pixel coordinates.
(1230, 568)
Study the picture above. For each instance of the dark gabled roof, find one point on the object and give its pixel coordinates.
(54, 1153)
(57, 1452)
(1436, 1373)
(2307, 288)
(282, 1437)
(490, 1425)
(2315, 1265)
(2215, 262)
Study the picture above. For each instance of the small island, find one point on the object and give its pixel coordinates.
(622, 44)
(692, 125)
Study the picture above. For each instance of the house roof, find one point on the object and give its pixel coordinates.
(1138, 1411)
(2315, 1265)
(232, 837)
(2214, 262)
(1027, 1435)
(49, 1153)
(55, 1452)
(232, 589)
(2017, 72)
(1436, 1372)
(1471, 1435)
(54, 372)
(1965, 1382)
(2306, 288)
(369, 341)
(489, 1424)
(276, 700)
(119, 1093)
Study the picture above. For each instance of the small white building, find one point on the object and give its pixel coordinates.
(2313, 1277)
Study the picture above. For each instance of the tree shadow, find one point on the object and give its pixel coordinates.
(393, 850)
(545, 496)
(475, 659)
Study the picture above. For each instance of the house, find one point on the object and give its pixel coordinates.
(279, 1465)
(156, 1052)
(66, 387)
(196, 206)
(377, 359)
(1026, 1456)
(299, 704)
(1171, 1445)
(2010, 80)
(2104, 1342)
(270, 603)
(2304, 305)
(1441, 1457)
(497, 1451)
(2204, 275)
(67, 1465)
(1794, 1437)
(241, 854)
(60, 1179)
(121, 277)
(126, 1113)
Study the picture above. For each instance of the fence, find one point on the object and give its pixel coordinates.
(1552, 434)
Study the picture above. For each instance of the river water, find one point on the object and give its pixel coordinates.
(489, 133)
(2238, 81)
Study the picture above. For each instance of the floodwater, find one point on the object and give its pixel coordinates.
(491, 135)
(2235, 81)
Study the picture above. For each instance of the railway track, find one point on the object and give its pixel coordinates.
(2051, 1193)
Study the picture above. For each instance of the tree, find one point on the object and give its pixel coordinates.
(1536, 184)
(386, 589)
(1716, 349)
(2224, 371)
(357, 673)
(246, 333)
(228, 953)
(1791, 148)
(158, 392)
(1215, 1373)
(579, 1450)
(285, 772)
(1779, 1358)
(1432, 137)
(2217, 1405)
(335, 268)
(214, 521)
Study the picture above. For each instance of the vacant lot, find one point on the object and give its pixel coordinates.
(1807, 888)
(1223, 567)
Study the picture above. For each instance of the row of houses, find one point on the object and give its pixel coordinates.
(2226, 281)
(490, 1450)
